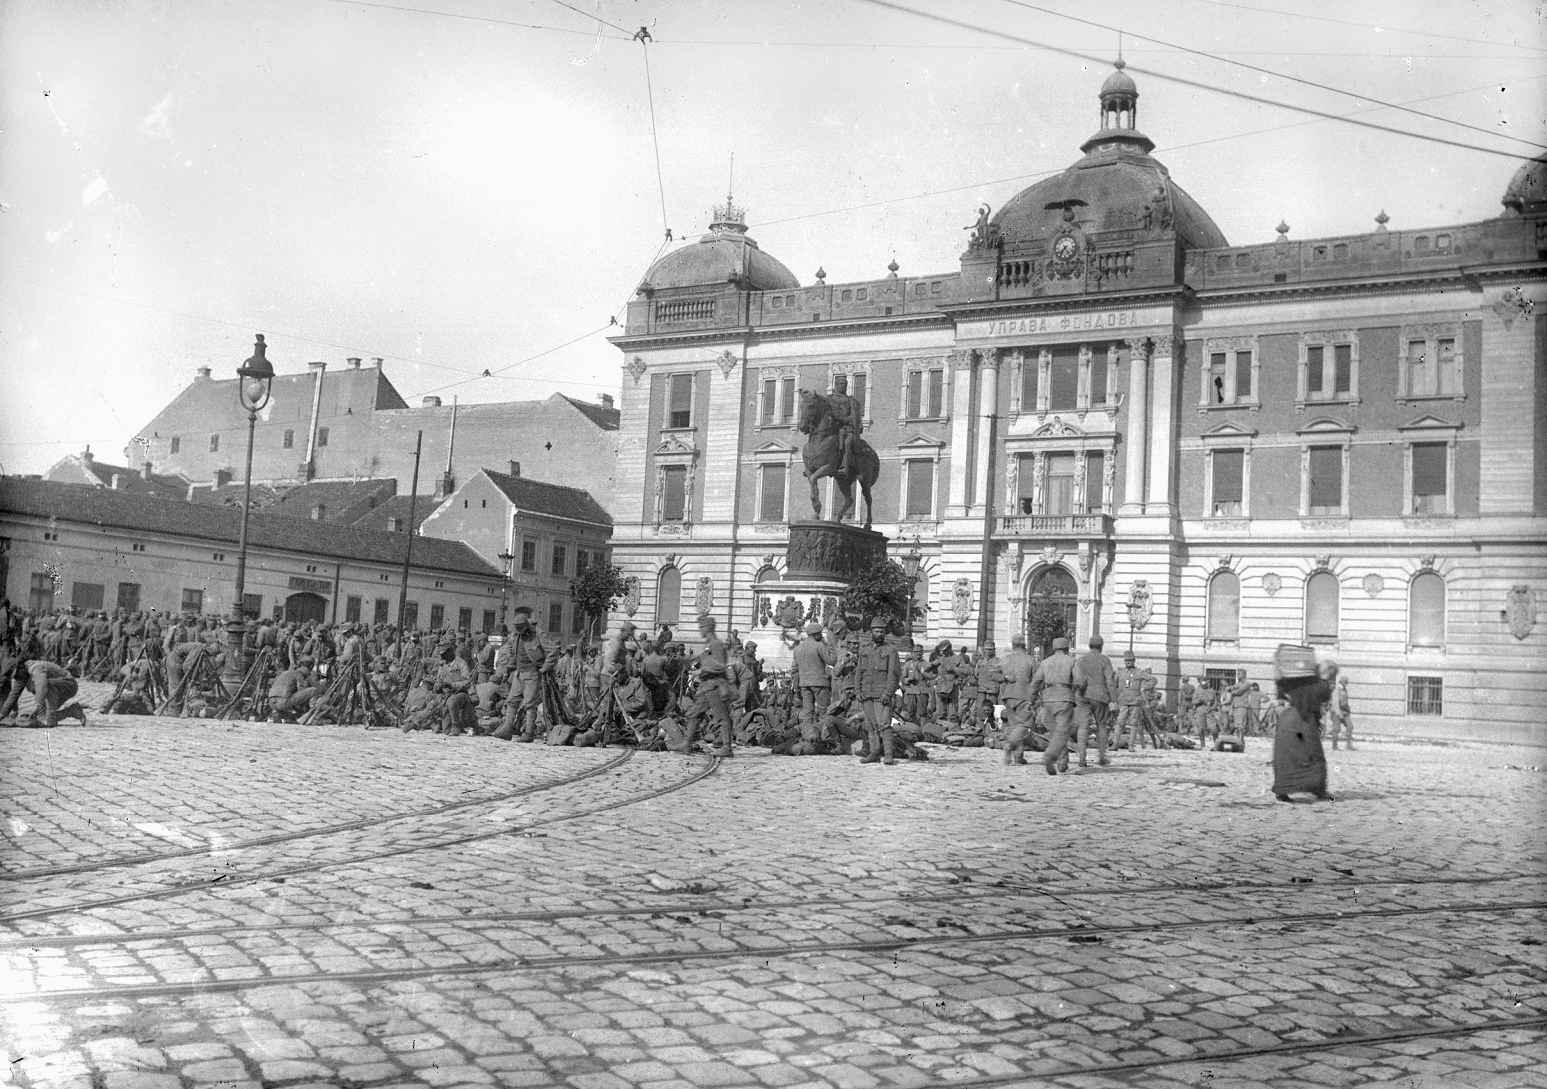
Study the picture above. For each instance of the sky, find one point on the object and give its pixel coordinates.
(467, 185)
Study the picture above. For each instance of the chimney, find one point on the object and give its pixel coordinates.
(431, 402)
(86, 458)
(606, 400)
(318, 510)
(202, 372)
(118, 479)
(316, 366)
(145, 471)
(515, 468)
(222, 477)
(354, 362)
(376, 361)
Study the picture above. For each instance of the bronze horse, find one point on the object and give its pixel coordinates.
(822, 455)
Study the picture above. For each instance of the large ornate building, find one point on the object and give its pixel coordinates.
(1200, 449)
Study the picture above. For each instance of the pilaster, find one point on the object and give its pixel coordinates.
(1162, 438)
(1137, 433)
(962, 364)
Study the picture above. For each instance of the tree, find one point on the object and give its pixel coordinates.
(1045, 622)
(879, 590)
(597, 589)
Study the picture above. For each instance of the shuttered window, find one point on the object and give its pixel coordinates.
(1063, 387)
(679, 411)
(920, 501)
(771, 508)
(1326, 485)
(1030, 370)
(1228, 473)
(1430, 462)
(674, 493)
(1094, 482)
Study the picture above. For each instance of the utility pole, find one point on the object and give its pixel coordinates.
(408, 551)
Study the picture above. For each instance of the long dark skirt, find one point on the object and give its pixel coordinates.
(1299, 764)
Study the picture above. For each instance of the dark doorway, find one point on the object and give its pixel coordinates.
(302, 607)
(1052, 599)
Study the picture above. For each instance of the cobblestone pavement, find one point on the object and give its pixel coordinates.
(219, 904)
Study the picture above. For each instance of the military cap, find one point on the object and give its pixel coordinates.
(879, 622)
(1128, 656)
(1017, 640)
(1060, 643)
(813, 628)
(1096, 642)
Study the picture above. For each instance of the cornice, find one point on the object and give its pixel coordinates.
(1179, 294)
(1466, 276)
(755, 334)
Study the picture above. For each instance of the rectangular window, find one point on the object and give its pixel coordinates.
(582, 561)
(770, 400)
(1431, 462)
(1445, 363)
(771, 502)
(322, 436)
(787, 399)
(1228, 479)
(87, 595)
(936, 405)
(529, 556)
(379, 611)
(920, 484)
(1425, 695)
(1098, 382)
(576, 621)
(1343, 368)
(1030, 370)
(1420, 379)
(214, 444)
(555, 617)
(1219, 679)
(177, 443)
(674, 493)
(560, 560)
(464, 620)
(410, 616)
(488, 621)
(679, 410)
(1095, 482)
(129, 596)
(289, 442)
(859, 388)
(1059, 497)
(437, 617)
(1243, 376)
(1326, 485)
(1217, 378)
(915, 406)
(40, 598)
(1063, 385)
(1314, 370)
(352, 609)
(193, 601)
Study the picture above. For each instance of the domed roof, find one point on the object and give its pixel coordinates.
(726, 255)
(1527, 190)
(1116, 186)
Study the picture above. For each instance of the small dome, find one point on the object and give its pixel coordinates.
(1119, 82)
(1527, 191)
(726, 255)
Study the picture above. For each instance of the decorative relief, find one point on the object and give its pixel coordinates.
(1226, 525)
(764, 611)
(1139, 606)
(1511, 305)
(1373, 584)
(1520, 611)
(1271, 583)
(1224, 562)
(1426, 562)
(631, 595)
(1165, 344)
(636, 368)
(1051, 555)
(790, 614)
(961, 600)
(1323, 563)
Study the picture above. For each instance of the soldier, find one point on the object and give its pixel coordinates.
(1094, 683)
(713, 687)
(990, 679)
(455, 679)
(878, 674)
(1132, 687)
(1018, 668)
(812, 658)
(1338, 713)
(54, 687)
(1054, 683)
(942, 671)
(915, 687)
(292, 692)
(531, 656)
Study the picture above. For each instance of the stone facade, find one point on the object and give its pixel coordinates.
(1202, 449)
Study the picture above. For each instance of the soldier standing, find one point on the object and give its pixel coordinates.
(1132, 687)
(1054, 683)
(1018, 668)
(878, 674)
(990, 677)
(1338, 713)
(811, 659)
(915, 687)
(1094, 682)
(531, 656)
(713, 687)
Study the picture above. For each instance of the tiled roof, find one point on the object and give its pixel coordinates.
(602, 416)
(556, 500)
(342, 500)
(76, 469)
(206, 522)
(380, 518)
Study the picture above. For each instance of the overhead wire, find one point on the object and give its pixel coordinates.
(1366, 26)
(589, 15)
(1199, 84)
(1276, 74)
(473, 18)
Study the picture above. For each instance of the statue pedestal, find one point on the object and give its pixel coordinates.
(823, 558)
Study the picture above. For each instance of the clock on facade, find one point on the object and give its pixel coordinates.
(1065, 248)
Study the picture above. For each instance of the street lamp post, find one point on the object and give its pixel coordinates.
(910, 567)
(509, 560)
(256, 378)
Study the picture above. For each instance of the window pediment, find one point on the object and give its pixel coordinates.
(1228, 432)
(1058, 428)
(1428, 422)
(674, 449)
(1325, 426)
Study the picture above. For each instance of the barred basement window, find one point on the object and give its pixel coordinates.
(1219, 680)
(1425, 695)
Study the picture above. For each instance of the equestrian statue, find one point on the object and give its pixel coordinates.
(835, 449)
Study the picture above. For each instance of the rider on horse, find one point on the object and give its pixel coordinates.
(846, 414)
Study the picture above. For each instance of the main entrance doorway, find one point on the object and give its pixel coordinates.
(302, 607)
(1052, 600)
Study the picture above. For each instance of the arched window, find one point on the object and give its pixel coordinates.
(668, 597)
(1321, 608)
(1426, 611)
(1051, 602)
(1225, 606)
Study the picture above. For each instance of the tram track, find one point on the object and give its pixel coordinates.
(757, 952)
(119, 861)
(234, 880)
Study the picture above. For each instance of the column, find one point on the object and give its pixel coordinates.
(961, 365)
(1137, 436)
(988, 408)
(1163, 430)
